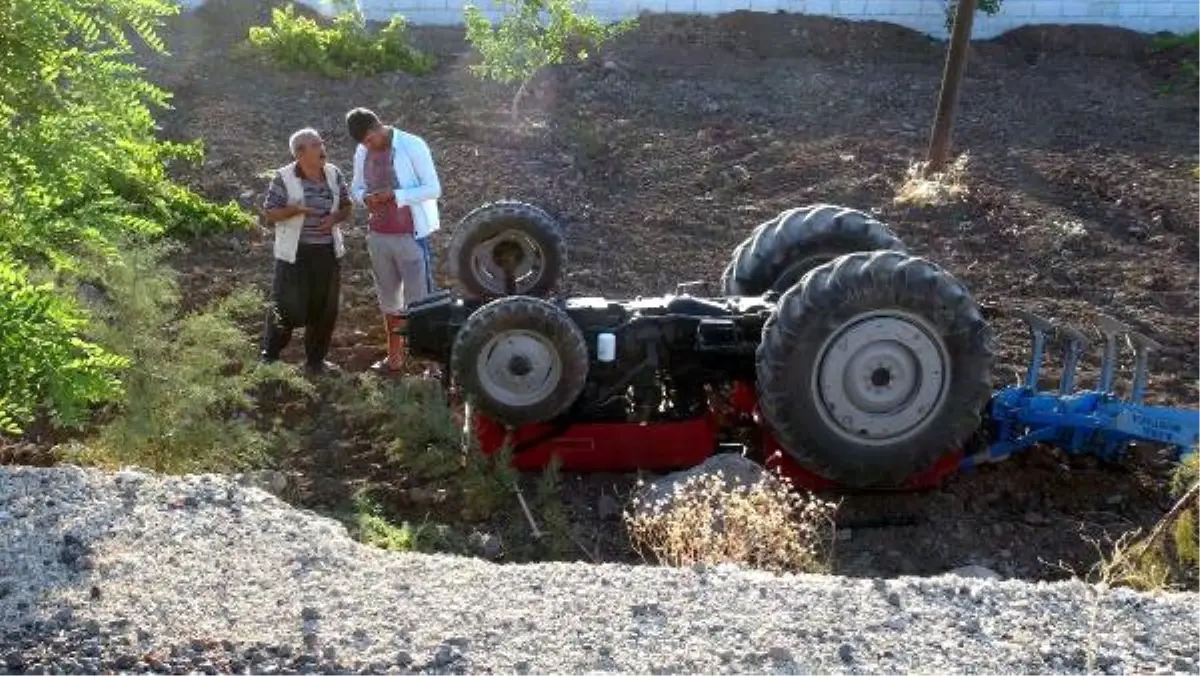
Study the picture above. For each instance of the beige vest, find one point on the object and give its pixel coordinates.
(287, 232)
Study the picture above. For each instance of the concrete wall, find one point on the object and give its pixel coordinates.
(927, 16)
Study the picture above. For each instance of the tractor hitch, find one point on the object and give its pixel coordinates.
(1094, 422)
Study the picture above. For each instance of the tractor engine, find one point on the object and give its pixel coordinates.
(647, 360)
(655, 359)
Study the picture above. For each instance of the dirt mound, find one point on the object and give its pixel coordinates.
(783, 35)
(1076, 40)
(228, 21)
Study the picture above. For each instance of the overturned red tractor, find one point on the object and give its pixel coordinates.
(830, 351)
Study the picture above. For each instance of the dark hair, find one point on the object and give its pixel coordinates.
(360, 121)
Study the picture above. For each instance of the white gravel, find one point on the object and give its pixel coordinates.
(131, 571)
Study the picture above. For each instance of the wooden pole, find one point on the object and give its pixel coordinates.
(956, 61)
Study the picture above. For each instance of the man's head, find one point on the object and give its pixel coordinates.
(365, 128)
(308, 148)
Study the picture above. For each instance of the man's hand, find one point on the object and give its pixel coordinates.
(325, 227)
(379, 198)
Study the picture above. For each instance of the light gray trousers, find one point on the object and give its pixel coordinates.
(398, 263)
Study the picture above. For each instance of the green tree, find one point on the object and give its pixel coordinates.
(84, 172)
(531, 35)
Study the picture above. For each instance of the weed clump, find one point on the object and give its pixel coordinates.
(1168, 555)
(764, 524)
(922, 189)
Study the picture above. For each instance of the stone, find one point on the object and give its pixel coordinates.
(1036, 519)
(733, 469)
(976, 572)
(779, 654)
(607, 507)
(846, 652)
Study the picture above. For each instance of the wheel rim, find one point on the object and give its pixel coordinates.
(518, 368)
(881, 378)
(511, 249)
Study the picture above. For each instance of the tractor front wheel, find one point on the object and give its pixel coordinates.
(874, 367)
(520, 360)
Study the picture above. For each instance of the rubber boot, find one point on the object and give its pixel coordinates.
(395, 346)
(395, 342)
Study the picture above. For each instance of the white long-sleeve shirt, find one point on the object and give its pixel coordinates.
(419, 188)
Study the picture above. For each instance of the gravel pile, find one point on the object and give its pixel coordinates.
(134, 572)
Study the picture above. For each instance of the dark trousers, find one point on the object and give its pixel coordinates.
(303, 294)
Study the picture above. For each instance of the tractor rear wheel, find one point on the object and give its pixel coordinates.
(778, 253)
(520, 360)
(874, 367)
(506, 239)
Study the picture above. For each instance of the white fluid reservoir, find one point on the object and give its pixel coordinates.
(606, 347)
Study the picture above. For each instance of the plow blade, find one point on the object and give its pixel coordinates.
(1089, 422)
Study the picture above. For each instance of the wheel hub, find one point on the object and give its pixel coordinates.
(881, 377)
(510, 253)
(519, 368)
(519, 365)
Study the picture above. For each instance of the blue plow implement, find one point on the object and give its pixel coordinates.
(1093, 422)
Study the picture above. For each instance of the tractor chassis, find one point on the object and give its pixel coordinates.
(709, 350)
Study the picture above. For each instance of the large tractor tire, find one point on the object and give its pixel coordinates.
(778, 253)
(873, 367)
(506, 239)
(520, 360)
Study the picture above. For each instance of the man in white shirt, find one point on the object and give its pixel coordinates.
(395, 179)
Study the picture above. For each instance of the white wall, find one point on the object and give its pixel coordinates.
(927, 16)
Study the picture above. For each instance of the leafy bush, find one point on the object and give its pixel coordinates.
(84, 171)
(190, 381)
(531, 35)
(347, 47)
(763, 525)
(46, 364)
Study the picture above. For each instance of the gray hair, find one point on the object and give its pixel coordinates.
(298, 139)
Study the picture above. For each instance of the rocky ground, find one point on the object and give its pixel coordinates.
(103, 572)
(663, 153)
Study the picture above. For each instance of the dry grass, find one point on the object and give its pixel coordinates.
(930, 190)
(1167, 556)
(764, 525)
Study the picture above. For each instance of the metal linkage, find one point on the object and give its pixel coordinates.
(1093, 422)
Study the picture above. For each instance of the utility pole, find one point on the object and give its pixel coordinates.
(956, 61)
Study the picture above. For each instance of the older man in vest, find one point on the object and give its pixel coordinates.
(395, 179)
(306, 203)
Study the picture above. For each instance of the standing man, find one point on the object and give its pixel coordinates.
(394, 178)
(306, 203)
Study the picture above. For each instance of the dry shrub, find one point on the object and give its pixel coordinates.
(930, 190)
(764, 525)
(1168, 555)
